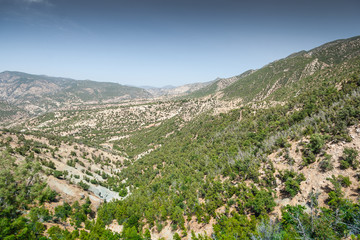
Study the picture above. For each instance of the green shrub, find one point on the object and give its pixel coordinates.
(344, 164)
(326, 164)
(58, 174)
(348, 159)
(313, 148)
(292, 181)
(63, 212)
(47, 195)
(84, 185)
(39, 214)
(316, 143)
(123, 192)
(70, 163)
(344, 181)
(292, 187)
(280, 142)
(86, 178)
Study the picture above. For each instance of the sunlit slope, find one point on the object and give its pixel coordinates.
(285, 78)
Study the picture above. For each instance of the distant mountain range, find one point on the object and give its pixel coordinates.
(23, 94)
(36, 94)
(177, 91)
(39, 93)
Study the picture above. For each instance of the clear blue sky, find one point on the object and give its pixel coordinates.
(164, 42)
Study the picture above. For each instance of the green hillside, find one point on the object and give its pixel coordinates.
(287, 170)
(282, 79)
(189, 165)
(216, 86)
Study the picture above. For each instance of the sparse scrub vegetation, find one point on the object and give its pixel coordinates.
(173, 161)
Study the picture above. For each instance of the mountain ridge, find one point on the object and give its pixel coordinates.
(287, 72)
(40, 93)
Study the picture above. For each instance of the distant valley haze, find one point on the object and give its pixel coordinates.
(159, 42)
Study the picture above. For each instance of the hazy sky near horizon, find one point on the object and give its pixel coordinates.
(164, 42)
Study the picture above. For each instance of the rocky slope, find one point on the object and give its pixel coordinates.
(217, 85)
(285, 78)
(38, 94)
(177, 91)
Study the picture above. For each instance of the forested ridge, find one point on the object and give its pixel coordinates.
(213, 170)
